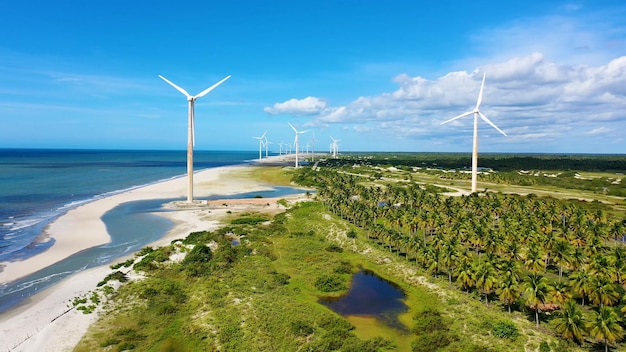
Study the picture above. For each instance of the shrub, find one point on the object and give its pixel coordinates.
(427, 321)
(432, 341)
(249, 220)
(344, 267)
(330, 283)
(199, 254)
(281, 279)
(505, 330)
(301, 328)
(116, 275)
(334, 248)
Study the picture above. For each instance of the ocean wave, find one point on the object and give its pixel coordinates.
(28, 284)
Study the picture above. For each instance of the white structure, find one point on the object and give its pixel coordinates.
(295, 141)
(191, 130)
(266, 144)
(334, 147)
(312, 141)
(476, 113)
(260, 144)
(280, 152)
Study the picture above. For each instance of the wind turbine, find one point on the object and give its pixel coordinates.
(260, 144)
(334, 146)
(296, 140)
(476, 113)
(281, 148)
(312, 141)
(266, 144)
(191, 142)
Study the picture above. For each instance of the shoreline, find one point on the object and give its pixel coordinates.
(46, 321)
(68, 230)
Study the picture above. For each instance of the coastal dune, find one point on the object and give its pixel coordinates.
(46, 322)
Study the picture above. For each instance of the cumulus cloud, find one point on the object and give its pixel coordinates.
(529, 97)
(298, 107)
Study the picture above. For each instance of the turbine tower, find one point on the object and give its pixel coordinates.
(476, 113)
(334, 147)
(266, 145)
(295, 142)
(312, 141)
(191, 142)
(260, 144)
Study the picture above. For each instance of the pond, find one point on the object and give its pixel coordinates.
(371, 296)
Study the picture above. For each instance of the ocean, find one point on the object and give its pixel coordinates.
(38, 186)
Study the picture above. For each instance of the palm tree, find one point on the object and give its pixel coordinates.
(602, 291)
(559, 292)
(485, 278)
(605, 327)
(580, 282)
(464, 275)
(508, 291)
(562, 254)
(570, 322)
(533, 259)
(536, 293)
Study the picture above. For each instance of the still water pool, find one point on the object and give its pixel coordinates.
(370, 296)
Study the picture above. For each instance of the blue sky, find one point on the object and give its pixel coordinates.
(378, 75)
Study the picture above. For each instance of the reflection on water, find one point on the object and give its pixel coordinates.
(370, 296)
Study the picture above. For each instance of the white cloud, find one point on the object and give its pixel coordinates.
(298, 107)
(599, 130)
(529, 97)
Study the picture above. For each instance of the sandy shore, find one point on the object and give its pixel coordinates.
(45, 322)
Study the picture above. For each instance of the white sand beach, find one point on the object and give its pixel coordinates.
(45, 322)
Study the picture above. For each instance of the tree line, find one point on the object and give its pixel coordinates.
(526, 253)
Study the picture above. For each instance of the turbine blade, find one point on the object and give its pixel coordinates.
(293, 128)
(303, 131)
(263, 136)
(491, 123)
(175, 86)
(480, 95)
(457, 117)
(204, 92)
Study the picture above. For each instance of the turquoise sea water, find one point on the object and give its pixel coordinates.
(38, 186)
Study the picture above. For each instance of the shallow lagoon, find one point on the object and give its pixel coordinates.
(371, 296)
(131, 225)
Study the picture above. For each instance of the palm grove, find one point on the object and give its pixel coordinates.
(555, 260)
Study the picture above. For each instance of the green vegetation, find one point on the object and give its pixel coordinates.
(491, 271)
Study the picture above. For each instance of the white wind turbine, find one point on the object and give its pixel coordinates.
(191, 129)
(312, 141)
(334, 146)
(295, 142)
(476, 113)
(260, 144)
(266, 144)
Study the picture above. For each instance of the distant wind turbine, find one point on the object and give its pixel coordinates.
(191, 130)
(312, 141)
(267, 143)
(260, 144)
(334, 147)
(476, 113)
(295, 142)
